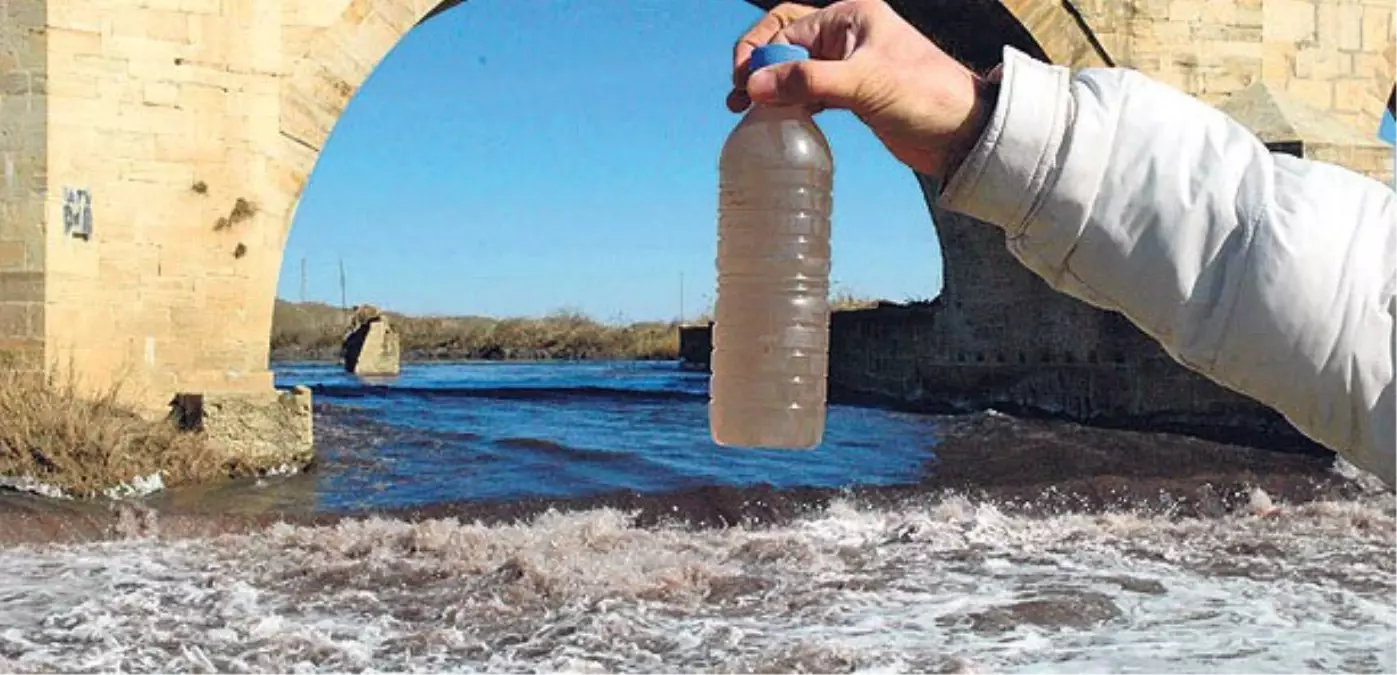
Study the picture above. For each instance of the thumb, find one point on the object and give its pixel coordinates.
(832, 84)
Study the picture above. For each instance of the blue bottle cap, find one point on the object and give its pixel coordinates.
(772, 54)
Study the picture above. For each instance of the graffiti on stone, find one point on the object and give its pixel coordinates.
(77, 213)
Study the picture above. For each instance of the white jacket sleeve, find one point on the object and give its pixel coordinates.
(1272, 276)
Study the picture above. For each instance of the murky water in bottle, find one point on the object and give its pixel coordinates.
(771, 332)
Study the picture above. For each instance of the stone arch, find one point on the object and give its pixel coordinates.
(340, 43)
(974, 30)
(329, 63)
(1061, 33)
(340, 57)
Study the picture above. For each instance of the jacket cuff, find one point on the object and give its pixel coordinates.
(1002, 179)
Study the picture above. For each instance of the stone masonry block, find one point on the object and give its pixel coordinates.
(1355, 95)
(1373, 66)
(1349, 18)
(1314, 63)
(1288, 21)
(180, 149)
(1164, 34)
(125, 20)
(161, 93)
(98, 65)
(73, 16)
(1214, 36)
(73, 86)
(139, 47)
(1251, 16)
(1318, 94)
(76, 112)
(141, 118)
(13, 255)
(22, 286)
(1340, 24)
(15, 320)
(173, 174)
(22, 221)
(1219, 12)
(167, 26)
(1248, 51)
(192, 6)
(312, 14)
(17, 83)
(1377, 28)
(260, 431)
(27, 13)
(210, 37)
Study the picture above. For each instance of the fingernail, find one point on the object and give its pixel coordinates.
(761, 81)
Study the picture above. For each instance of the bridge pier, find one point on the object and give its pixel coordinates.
(152, 153)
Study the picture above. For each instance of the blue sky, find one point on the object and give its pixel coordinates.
(510, 158)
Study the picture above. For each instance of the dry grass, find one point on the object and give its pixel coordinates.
(314, 331)
(51, 433)
(843, 300)
(840, 300)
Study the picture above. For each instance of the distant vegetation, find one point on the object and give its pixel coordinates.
(313, 331)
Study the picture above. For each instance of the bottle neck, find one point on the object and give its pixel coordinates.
(770, 111)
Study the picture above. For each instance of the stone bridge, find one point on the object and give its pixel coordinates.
(154, 150)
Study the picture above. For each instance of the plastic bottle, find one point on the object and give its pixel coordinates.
(770, 355)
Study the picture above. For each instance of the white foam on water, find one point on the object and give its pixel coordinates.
(33, 486)
(952, 586)
(139, 486)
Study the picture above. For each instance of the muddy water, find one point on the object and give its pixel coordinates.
(970, 544)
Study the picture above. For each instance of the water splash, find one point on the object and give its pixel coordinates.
(949, 585)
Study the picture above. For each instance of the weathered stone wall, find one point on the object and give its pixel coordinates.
(169, 117)
(1330, 53)
(165, 114)
(190, 128)
(1000, 337)
(187, 130)
(24, 119)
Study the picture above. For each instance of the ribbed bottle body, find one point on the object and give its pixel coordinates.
(771, 330)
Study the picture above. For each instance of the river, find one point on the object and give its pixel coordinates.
(551, 516)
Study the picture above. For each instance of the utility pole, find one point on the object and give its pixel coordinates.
(344, 304)
(303, 279)
(681, 298)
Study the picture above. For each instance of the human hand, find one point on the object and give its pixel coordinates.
(926, 108)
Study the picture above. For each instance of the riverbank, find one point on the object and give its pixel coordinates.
(312, 332)
(309, 332)
(1063, 469)
(58, 442)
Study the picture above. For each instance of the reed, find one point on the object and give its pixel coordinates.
(55, 434)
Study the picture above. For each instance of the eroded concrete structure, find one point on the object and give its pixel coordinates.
(154, 150)
(371, 348)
